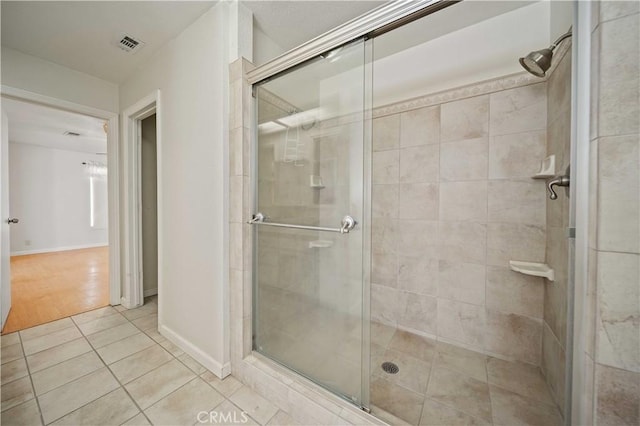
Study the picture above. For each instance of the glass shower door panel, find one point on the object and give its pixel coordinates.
(308, 282)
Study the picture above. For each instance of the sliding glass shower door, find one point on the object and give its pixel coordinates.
(310, 292)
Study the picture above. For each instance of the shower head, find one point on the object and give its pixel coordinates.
(539, 61)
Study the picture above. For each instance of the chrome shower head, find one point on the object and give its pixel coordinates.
(539, 61)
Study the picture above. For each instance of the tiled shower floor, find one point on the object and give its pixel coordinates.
(441, 384)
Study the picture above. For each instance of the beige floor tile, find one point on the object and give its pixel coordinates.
(110, 335)
(523, 379)
(158, 383)
(15, 393)
(73, 395)
(397, 400)
(65, 372)
(228, 414)
(25, 414)
(193, 365)
(460, 392)
(110, 409)
(282, 419)
(94, 315)
(57, 354)
(125, 347)
(256, 406)
(512, 409)
(13, 370)
(139, 420)
(182, 406)
(9, 339)
(146, 309)
(119, 308)
(155, 335)
(48, 328)
(147, 322)
(435, 414)
(140, 363)
(171, 347)
(413, 373)
(462, 360)
(50, 340)
(11, 353)
(102, 323)
(226, 386)
(419, 347)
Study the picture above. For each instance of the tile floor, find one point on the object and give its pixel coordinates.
(441, 384)
(110, 366)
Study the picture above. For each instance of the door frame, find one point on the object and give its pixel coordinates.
(113, 177)
(133, 294)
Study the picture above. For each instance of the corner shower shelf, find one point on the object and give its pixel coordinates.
(535, 269)
(547, 168)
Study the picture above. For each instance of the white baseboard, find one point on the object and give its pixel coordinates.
(55, 249)
(220, 370)
(150, 292)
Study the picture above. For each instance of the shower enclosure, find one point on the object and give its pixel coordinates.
(311, 222)
(406, 254)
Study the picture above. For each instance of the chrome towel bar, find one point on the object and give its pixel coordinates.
(347, 224)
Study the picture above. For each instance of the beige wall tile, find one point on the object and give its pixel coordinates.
(619, 194)
(384, 304)
(559, 89)
(418, 274)
(417, 312)
(512, 292)
(609, 10)
(553, 365)
(384, 269)
(464, 160)
(463, 241)
(384, 235)
(619, 313)
(461, 322)
(386, 166)
(511, 241)
(419, 164)
(384, 200)
(463, 201)
(519, 110)
(516, 155)
(465, 119)
(418, 238)
(418, 201)
(619, 87)
(513, 336)
(420, 127)
(618, 397)
(463, 282)
(517, 202)
(386, 132)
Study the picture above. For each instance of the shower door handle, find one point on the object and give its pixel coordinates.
(347, 224)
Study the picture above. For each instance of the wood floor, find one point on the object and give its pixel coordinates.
(49, 286)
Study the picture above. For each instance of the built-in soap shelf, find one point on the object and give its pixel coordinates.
(547, 168)
(316, 182)
(320, 244)
(531, 268)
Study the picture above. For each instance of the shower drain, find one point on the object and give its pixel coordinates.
(390, 368)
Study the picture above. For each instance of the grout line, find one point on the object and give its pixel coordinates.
(33, 389)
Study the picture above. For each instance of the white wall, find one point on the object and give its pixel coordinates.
(49, 193)
(191, 73)
(36, 75)
(264, 48)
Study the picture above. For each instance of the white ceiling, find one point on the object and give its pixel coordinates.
(80, 34)
(44, 126)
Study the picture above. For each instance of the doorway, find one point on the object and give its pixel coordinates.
(149, 205)
(58, 193)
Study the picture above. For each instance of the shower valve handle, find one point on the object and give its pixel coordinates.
(557, 181)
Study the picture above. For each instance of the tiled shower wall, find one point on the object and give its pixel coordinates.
(613, 295)
(554, 332)
(453, 202)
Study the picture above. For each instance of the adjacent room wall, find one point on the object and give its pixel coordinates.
(148, 175)
(49, 193)
(36, 75)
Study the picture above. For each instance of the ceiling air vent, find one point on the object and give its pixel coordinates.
(130, 44)
(70, 133)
